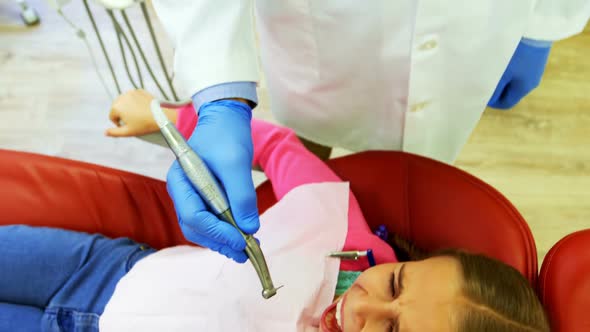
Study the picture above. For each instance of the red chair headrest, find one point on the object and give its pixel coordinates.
(434, 205)
(564, 283)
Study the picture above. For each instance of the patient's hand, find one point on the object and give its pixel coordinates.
(131, 114)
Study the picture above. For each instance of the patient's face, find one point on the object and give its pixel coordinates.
(404, 297)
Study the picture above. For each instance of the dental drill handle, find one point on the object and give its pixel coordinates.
(211, 192)
(198, 173)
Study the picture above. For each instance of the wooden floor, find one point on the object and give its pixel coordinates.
(537, 154)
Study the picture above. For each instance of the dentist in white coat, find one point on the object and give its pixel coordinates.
(410, 75)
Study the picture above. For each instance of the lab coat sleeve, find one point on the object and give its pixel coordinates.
(213, 40)
(244, 90)
(557, 19)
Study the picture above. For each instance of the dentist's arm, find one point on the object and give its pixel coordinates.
(216, 60)
(213, 44)
(550, 21)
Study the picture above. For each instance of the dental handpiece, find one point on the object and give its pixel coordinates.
(209, 189)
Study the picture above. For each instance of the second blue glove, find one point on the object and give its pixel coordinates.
(522, 75)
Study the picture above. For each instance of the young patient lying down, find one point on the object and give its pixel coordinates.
(59, 280)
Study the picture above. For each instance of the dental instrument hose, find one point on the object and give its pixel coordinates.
(209, 189)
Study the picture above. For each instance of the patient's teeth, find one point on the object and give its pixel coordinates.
(339, 313)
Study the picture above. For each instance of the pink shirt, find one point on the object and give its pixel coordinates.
(288, 164)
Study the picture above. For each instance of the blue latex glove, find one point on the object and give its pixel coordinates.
(223, 139)
(523, 73)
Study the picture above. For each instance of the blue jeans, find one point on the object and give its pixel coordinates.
(56, 280)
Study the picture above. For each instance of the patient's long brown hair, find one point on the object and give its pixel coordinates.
(496, 297)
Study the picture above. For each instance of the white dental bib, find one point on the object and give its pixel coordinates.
(194, 289)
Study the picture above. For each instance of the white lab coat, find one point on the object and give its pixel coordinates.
(381, 74)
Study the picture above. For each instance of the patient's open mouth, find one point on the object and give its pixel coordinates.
(328, 321)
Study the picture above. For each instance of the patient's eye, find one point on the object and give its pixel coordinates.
(392, 284)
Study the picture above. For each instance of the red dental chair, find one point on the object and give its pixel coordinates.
(430, 203)
(564, 283)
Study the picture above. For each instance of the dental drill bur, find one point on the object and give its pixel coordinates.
(209, 189)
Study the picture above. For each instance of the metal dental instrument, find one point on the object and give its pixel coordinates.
(209, 189)
(354, 255)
